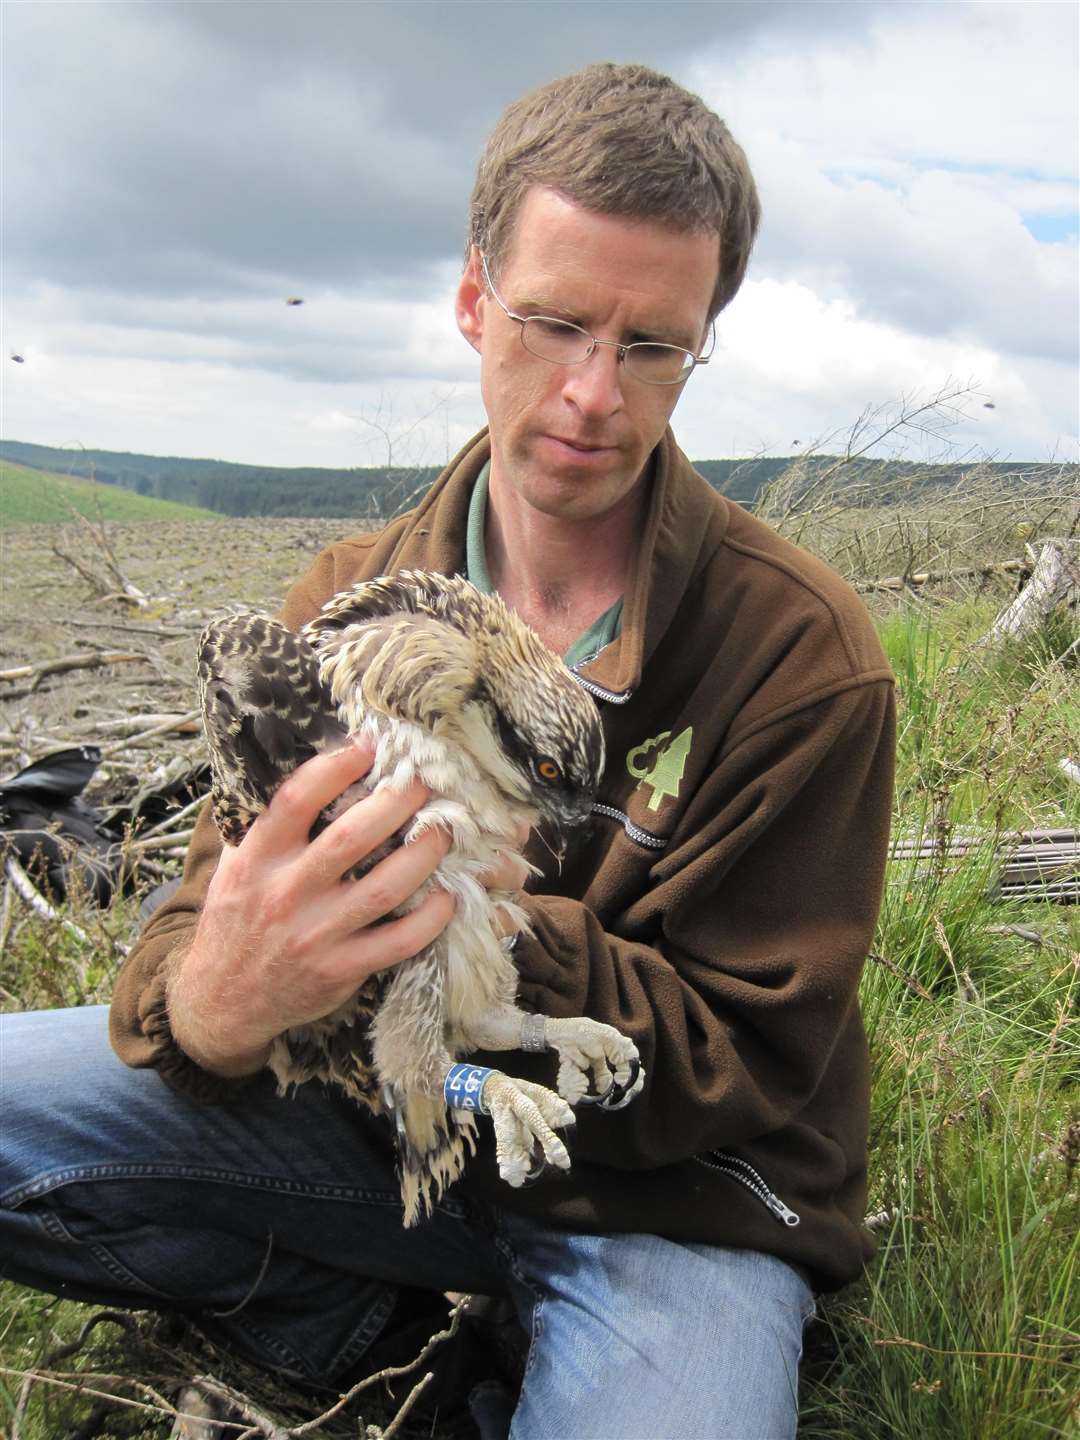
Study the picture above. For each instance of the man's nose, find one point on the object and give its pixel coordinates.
(595, 385)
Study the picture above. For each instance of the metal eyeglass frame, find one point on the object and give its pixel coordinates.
(616, 345)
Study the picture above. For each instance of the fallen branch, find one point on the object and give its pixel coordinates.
(182, 724)
(253, 1422)
(392, 1372)
(80, 1386)
(171, 821)
(936, 577)
(40, 906)
(164, 842)
(92, 578)
(169, 632)
(174, 722)
(7, 913)
(37, 902)
(93, 660)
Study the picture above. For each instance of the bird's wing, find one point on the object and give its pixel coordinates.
(265, 711)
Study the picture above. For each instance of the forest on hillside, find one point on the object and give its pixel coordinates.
(377, 493)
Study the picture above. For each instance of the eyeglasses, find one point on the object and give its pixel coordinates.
(562, 343)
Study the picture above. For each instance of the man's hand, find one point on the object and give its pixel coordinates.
(282, 939)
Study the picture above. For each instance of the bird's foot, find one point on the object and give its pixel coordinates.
(597, 1064)
(525, 1117)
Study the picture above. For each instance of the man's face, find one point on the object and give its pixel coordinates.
(572, 440)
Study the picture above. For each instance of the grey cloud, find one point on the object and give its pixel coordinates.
(211, 149)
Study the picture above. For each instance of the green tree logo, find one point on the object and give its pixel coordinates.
(665, 776)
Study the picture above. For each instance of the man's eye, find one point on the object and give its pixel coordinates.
(554, 329)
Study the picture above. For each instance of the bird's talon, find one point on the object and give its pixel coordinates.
(538, 1167)
(588, 1099)
(618, 1095)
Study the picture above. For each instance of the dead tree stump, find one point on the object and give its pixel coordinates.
(1055, 579)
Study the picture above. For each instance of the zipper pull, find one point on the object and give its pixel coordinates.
(781, 1211)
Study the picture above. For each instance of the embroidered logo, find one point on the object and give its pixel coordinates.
(659, 763)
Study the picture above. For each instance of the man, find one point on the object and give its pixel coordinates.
(719, 916)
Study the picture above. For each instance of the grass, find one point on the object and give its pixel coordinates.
(35, 497)
(964, 1326)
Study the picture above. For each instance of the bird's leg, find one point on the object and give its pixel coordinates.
(525, 1117)
(435, 1121)
(587, 1050)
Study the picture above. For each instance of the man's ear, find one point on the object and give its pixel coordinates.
(469, 301)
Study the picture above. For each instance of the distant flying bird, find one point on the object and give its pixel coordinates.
(294, 300)
(989, 405)
(19, 359)
(453, 689)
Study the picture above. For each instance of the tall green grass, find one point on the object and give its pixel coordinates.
(967, 1324)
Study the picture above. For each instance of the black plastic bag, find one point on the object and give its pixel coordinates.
(57, 837)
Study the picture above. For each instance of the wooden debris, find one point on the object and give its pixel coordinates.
(937, 577)
(96, 532)
(1055, 578)
(37, 902)
(1022, 932)
(190, 723)
(87, 660)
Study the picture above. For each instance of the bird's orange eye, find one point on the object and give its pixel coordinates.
(548, 770)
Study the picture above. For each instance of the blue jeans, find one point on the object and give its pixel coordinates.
(285, 1212)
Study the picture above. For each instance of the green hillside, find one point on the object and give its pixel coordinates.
(37, 497)
(377, 494)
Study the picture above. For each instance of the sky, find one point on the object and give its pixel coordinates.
(172, 173)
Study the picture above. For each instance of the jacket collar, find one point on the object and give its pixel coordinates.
(685, 521)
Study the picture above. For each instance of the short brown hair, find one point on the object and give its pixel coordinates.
(620, 140)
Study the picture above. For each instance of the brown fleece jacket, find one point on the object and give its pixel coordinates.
(722, 909)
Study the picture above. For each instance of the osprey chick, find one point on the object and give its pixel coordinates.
(452, 689)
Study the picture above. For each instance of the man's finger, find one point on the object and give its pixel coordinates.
(305, 794)
(393, 881)
(362, 828)
(379, 946)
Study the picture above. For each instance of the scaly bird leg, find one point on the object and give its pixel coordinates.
(525, 1116)
(587, 1050)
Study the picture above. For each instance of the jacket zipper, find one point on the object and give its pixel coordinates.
(740, 1170)
(728, 1164)
(643, 837)
(613, 697)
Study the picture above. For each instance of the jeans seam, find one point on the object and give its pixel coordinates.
(81, 1174)
(113, 1267)
(536, 1318)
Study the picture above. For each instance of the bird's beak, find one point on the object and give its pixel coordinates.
(567, 823)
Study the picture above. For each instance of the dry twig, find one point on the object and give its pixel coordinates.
(91, 660)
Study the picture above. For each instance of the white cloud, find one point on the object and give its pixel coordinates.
(793, 369)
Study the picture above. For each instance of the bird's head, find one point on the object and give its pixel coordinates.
(433, 650)
(547, 725)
